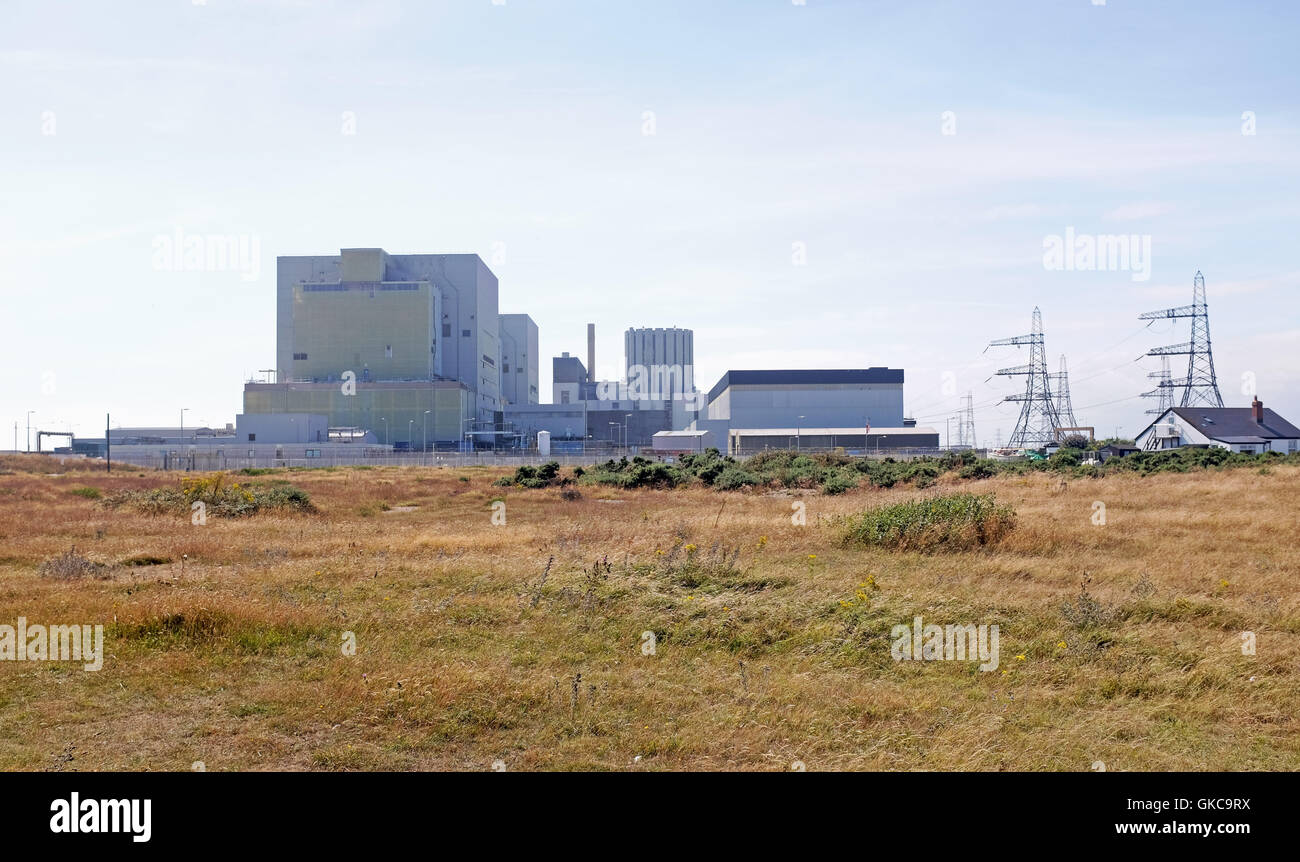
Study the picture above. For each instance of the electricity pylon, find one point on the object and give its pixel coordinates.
(1064, 407)
(1038, 419)
(1201, 386)
(966, 427)
(1164, 389)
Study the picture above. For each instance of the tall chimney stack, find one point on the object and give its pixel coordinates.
(1257, 411)
(591, 353)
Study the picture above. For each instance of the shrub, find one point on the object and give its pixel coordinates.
(217, 496)
(945, 522)
(733, 477)
(982, 468)
(528, 476)
(840, 481)
(1075, 441)
(70, 566)
(88, 493)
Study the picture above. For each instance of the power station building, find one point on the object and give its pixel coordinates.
(826, 398)
(410, 346)
(812, 408)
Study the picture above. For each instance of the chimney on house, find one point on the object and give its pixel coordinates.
(1257, 411)
(591, 353)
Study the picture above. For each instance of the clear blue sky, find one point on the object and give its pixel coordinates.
(775, 124)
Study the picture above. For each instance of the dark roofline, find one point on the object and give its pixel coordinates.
(806, 376)
(1231, 422)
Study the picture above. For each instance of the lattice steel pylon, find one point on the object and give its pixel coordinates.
(1164, 389)
(1038, 419)
(1061, 389)
(1201, 386)
(968, 432)
(966, 423)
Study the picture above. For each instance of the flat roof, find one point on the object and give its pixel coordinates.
(807, 377)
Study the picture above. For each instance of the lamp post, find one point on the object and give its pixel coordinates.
(424, 437)
(798, 432)
(385, 421)
(29, 431)
(410, 431)
(626, 416)
(615, 424)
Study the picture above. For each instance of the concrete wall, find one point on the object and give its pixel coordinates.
(824, 406)
(281, 428)
(376, 330)
(519, 360)
(459, 328)
(393, 411)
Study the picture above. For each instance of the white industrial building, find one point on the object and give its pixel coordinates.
(519, 361)
(683, 442)
(1252, 430)
(747, 441)
(825, 398)
(770, 409)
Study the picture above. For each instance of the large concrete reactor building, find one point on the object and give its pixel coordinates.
(396, 343)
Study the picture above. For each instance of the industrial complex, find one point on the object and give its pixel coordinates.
(381, 354)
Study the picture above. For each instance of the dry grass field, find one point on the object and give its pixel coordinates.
(523, 642)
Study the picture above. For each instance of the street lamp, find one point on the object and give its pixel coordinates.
(385, 421)
(410, 431)
(424, 438)
(615, 424)
(798, 431)
(626, 416)
(29, 431)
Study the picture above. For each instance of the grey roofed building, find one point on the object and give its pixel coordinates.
(1241, 429)
(806, 377)
(820, 398)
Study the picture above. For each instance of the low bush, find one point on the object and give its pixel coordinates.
(219, 497)
(70, 566)
(951, 522)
